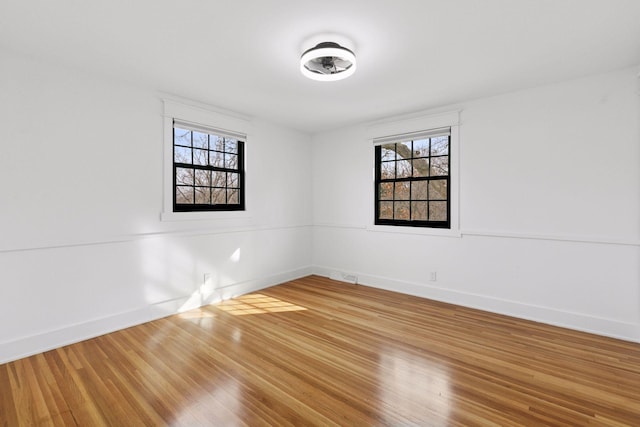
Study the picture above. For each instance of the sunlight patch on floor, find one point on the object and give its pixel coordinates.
(256, 304)
(196, 314)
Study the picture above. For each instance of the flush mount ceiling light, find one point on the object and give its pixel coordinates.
(328, 61)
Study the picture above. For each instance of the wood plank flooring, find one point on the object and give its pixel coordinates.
(318, 352)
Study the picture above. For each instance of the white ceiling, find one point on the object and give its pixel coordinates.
(412, 55)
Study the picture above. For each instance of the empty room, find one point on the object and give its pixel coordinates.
(355, 213)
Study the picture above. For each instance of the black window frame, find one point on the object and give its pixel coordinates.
(240, 170)
(379, 180)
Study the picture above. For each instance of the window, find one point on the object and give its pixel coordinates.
(205, 152)
(208, 172)
(412, 179)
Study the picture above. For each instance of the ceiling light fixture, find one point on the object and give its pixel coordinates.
(328, 61)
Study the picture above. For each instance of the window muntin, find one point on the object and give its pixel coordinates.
(208, 170)
(412, 181)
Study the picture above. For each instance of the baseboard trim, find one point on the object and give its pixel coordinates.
(28, 346)
(576, 321)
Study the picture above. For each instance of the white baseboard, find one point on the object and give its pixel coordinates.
(28, 346)
(577, 321)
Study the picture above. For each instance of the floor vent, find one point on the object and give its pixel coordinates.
(344, 277)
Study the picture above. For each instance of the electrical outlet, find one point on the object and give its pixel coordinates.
(433, 277)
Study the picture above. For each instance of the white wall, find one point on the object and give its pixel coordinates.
(549, 209)
(82, 248)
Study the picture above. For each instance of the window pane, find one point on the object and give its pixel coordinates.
(440, 166)
(401, 210)
(388, 170)
(418, 211)
(437, 211)
(231, 161)
(184, 195)
(438, 190)
(421, 148)
(440, 146)
(203, 195)
(218, 179)
(181, 137)
(404, 169)
(402, 191)
(218, 196)
(385, 191)
(181, 154)
(386, 210)
(231, 146)
(199, 157)
(216, 159)
(216, 143)
(419, 190)
(403, 150)
(184, 176)
(387, 152)
(420, 167)
(233, 180)
(200, 140)
(203, 178)
(232, 197)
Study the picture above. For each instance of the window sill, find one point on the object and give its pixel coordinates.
(423, 231)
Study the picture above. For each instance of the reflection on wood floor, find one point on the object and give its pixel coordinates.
(318, 352)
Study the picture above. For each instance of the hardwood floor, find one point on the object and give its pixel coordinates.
(318, 352)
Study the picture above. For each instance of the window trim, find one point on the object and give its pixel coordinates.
(208, 118)
(410, 125)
